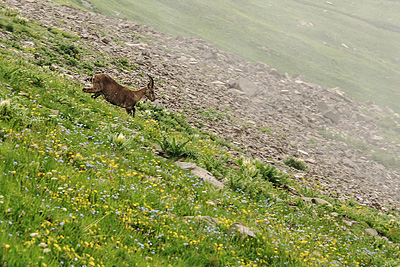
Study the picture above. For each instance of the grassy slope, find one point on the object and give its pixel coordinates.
(73, 191)
(270, 31)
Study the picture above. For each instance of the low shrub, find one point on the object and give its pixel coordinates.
(295, 163)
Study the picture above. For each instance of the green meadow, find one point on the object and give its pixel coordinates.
(84, 184)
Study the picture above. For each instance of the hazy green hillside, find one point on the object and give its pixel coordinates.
(81, 183)
(352, 45)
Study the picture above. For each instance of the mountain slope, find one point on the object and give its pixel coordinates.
(303, 119)
(84, 184)
(351, 45)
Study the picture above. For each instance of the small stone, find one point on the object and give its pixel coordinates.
(371, 232)
(302, 152)
(294, 191)
(349, 222)
(212, 202)
(23, 94)
(54, 111)
(317, 201)
(105, 40)
(241, 230)
(187, 166)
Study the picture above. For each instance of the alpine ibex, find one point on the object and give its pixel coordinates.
(119, 95)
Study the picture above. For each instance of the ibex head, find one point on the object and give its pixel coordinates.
(150, 90)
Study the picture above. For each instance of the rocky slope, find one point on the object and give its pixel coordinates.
(267, 114)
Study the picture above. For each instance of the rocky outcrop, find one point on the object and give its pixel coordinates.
(267, 114)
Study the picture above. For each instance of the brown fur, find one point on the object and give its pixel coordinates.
(119, 95)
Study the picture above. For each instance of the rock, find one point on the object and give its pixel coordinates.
(317, 201)
(55, 111)
(207, 177)
(201, 173)
(349, 163)
(323, 107)
(294, 191)
(218, 83)
(365, 118)
(302, 152)
(371, 232)
(212, 203)
(105, 40)
(310, 160)
(240, 230)
(23, 94)
(275, 72)
(349, 222)
(188, 166)
(233, 91)
(245, 85)
(333, 116)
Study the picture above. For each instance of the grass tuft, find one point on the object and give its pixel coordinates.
(296, 163)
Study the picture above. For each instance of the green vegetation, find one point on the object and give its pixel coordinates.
(81, 185)
(265, 129)
(295, 163)
(216, 165)
(346, 44)
(175, 149)
(211, 114)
